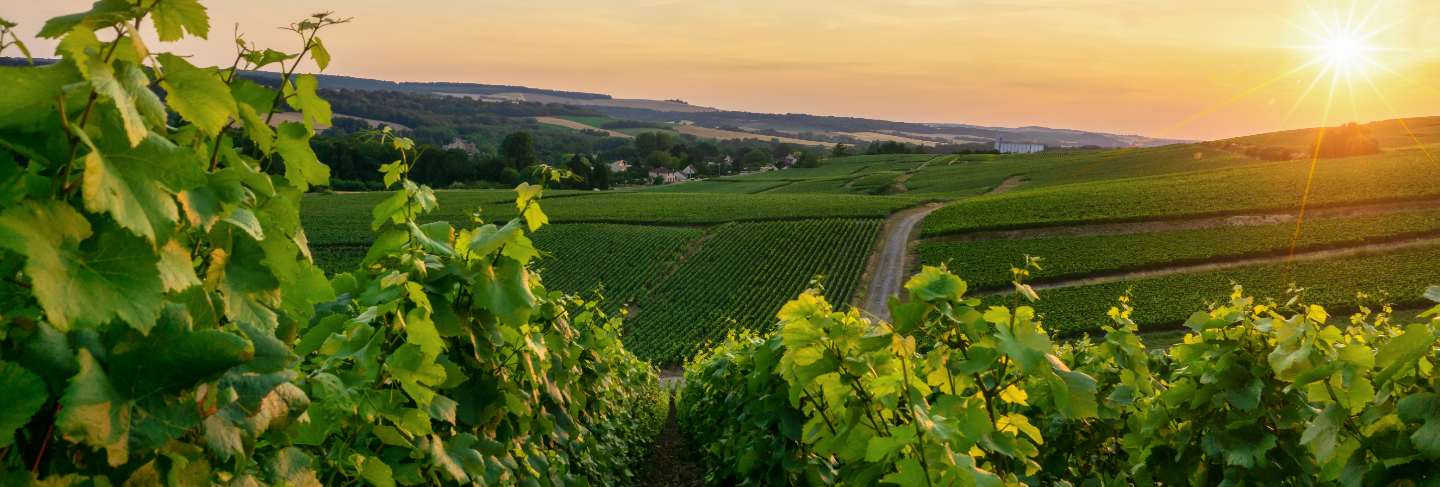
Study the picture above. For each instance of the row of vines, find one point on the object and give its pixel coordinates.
(162, 322)
(741, 276)
(952, 393)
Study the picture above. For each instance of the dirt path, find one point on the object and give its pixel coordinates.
(889, 260)
(1319, 254)
(670, 463)
(1199, 223)
(1008, 184)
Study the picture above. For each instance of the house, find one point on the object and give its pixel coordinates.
(767, 168)
(689, 171)
(462, 144)
(619, 166)
(1004, 147)
(667, 176)
(789, 161)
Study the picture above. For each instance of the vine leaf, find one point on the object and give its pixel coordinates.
(171, 16)
(302, 97)
(302, 168)
(93, 413)
(78, 279)
(197, 94)
(25, 393)
(1425, 408)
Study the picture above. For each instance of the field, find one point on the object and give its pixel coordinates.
(986, 263)
(741, 276)
(721, 134)
(693, 260)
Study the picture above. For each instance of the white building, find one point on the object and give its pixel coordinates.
(619, 166)
(1004, 147)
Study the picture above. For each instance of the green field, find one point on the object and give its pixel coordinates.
(1274, 186)
(621, 261)
(1399, 277)
(986, 263)
(741, 276)
(695, 259)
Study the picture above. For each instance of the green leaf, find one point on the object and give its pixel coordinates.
(111, 89)
(93, 413)
(31, 94)
(1403, 351)
(505, 291)
(934, 284)
(176, 360)
(376, 472)
(302, 169)
(177, 272)
(25, 393)
(175, 17)
(1323, 433)
(319, 53)
(197, 94)
(79, 279)
(1424, 408)
(416, 372)
(124, 184)
(316, 110)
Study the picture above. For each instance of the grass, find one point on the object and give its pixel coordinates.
(718, 186)
(986, 263)
(741, 276)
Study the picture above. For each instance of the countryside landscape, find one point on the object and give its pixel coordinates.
(240, 259)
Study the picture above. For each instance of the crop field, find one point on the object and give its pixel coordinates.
(986, 263)
(1251, 187)
(694, 260)
(718, 186)
(1165, 301)
(741, 276)
(345, 218)
(620, 260)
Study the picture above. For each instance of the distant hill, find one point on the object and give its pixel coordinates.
(1392, 134)
(335, 82)
(800, 125)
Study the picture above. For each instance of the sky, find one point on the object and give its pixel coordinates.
(1197, 69)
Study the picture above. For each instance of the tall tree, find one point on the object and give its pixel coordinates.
(518, 149)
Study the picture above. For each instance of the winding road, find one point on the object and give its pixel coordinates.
(889, 265)
(890, 261)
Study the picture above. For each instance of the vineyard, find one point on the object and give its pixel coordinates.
(620, 261)
(952, 394)
(741, 276)
(185, 302)
(986, 263)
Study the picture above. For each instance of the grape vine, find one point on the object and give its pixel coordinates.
(161, 320)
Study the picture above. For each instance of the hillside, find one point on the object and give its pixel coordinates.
(790, 124)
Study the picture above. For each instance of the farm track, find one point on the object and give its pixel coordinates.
(891, 258)
(1196, 223)
(891, 262)
(1008, 184)
(1231, 263)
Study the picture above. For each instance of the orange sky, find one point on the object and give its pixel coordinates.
(1128, 66)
